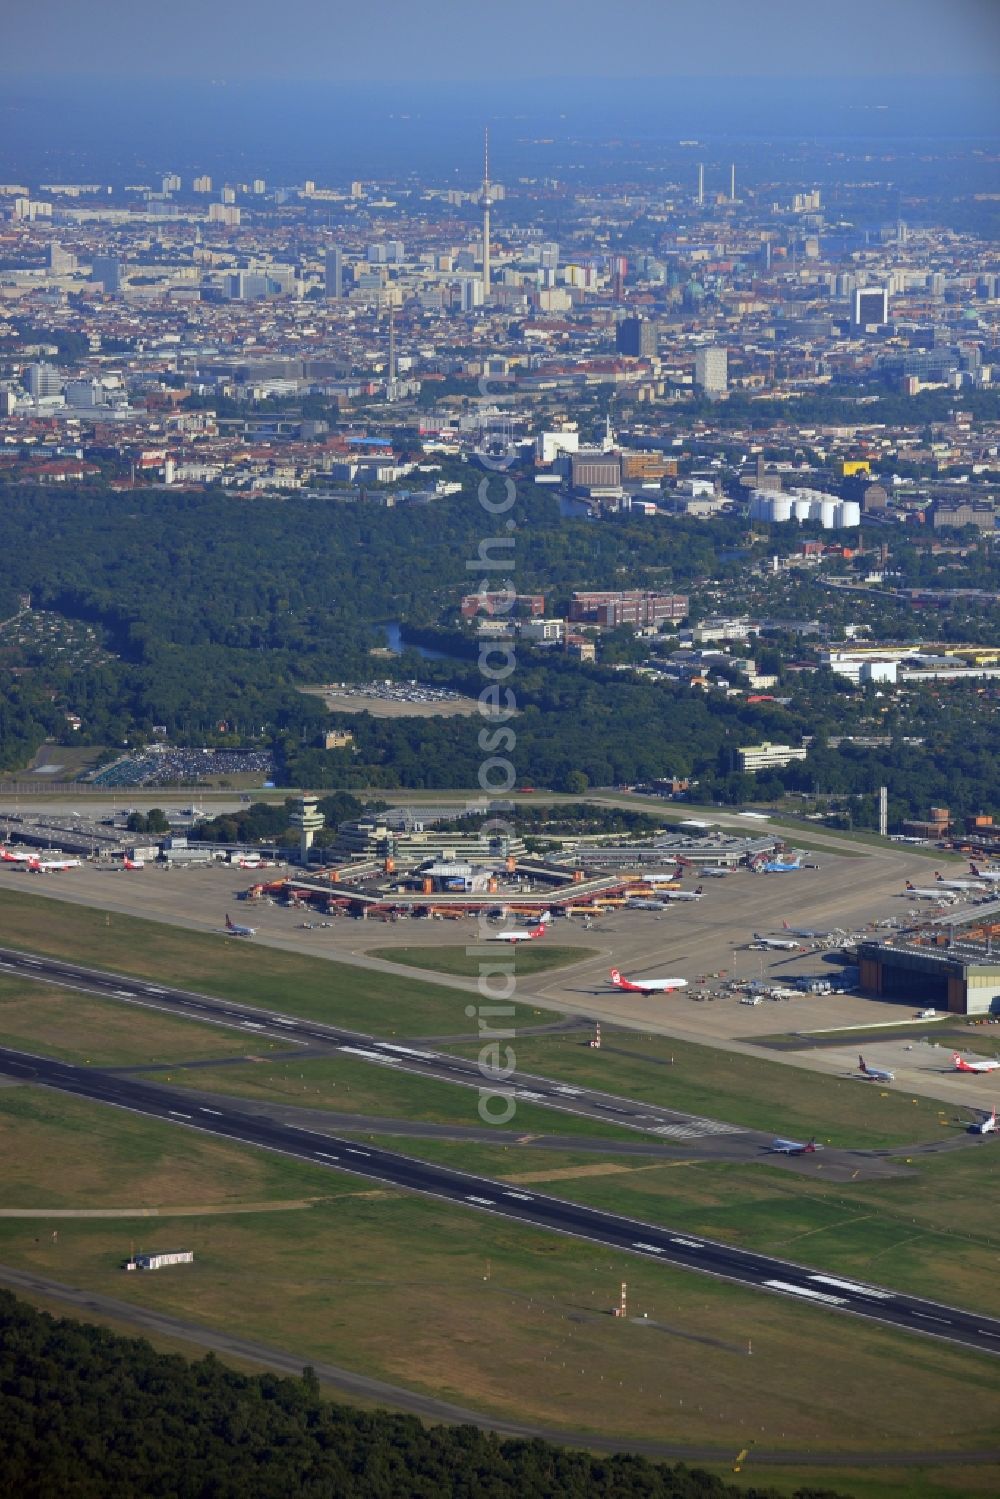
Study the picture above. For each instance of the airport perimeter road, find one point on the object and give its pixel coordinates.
(590, 1103)
(683, 1251)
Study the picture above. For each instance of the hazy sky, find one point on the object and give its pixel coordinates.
(235, 40)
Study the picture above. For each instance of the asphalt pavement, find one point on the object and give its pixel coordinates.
(651, 1242)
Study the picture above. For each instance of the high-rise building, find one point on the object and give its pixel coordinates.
(870, 307)
(711, 370)
(548, 257)
(334, 273)
(170, 183)
(42, 380)
(258, 187)
(202, 184)
(108, 271)
(59, 260)
(637, 338)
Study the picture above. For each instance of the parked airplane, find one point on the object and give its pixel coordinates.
(251, 861)
(986, 1126)
(51, 866)
(793, 1147)
(683, 894)
(235, 930)
(992, 875)
(958, 884)
(780, 866)
(646, 986)
(14, 858)
(805, 931)
(642, 903)
(128, 863)
(877, 1074)
(784, 944)
(929, 892)
(986, 1065)
(526, 935)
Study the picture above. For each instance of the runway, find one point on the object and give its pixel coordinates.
(651, 1242)
(605, 1108)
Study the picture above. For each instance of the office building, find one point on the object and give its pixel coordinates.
(611, 608)
(108, 271)
(637, 338)
(42, 380)
(334, 270)
(711, 371)
(58, 260)
(870, 307)
(766, 756)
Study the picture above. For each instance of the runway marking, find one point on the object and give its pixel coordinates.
(929, 1317)
(217, 1112)
(648, 1248)
(687, 1243)
(786, 1285)
(484, 1202)
(175, 1115)
(851, 1285)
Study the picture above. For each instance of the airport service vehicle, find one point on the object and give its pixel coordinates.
(8, 857)
(751, 999)
(986, 1065)
(234, 929)
(928, 1014)
(646, 986)
(783, 944)
(930, 892)
(805, 931)
(525, 935)
(683, 894)
(985, 1126)
(958, 884)
(794, 1147)
(51, 866)
(875, 1074)
(991, 875)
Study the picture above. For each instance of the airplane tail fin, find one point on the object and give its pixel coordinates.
(861, 1063)
(229, 924)
(909, 885)
(616, 977)
(698, 890)
(810, 1149)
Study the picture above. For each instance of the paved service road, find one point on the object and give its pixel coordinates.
(590, 1103)
(685, 1251)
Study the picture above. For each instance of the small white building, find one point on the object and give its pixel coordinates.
(161, 1259)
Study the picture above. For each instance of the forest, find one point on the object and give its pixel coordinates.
(89, 1413)
(212, 611)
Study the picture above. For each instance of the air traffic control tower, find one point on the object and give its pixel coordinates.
(308, 820)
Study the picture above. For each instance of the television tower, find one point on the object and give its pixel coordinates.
(732, 183)
(487, 202)
(701, 183)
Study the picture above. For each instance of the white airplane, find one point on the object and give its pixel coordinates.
(524, 935)
(51, 866)
(961, 1065)
(128, 863)
(929, 892)
(985, 1126)
(683, 894)
(646, 986)
(251, 861)
(992, 875)
(793, 1147)
(235, 930)
(644, 903)
(876, 1074)
(805, 931)
(8, 857)
(958, 884)
(784, 944)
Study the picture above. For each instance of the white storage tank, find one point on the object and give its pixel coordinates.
(828, 509)
(802, 509)
(848, 514)
(780, 507)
